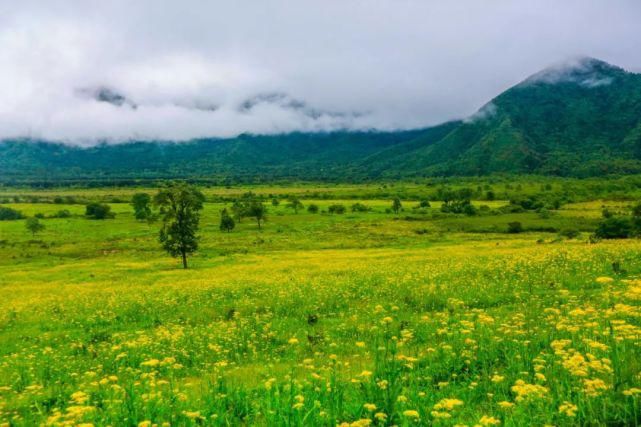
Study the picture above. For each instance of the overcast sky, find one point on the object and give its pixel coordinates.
(218, 68)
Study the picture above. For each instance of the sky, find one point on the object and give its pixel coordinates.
(91, 71)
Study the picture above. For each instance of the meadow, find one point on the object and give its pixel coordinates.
(364, 318)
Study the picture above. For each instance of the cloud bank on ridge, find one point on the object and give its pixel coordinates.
(85, 71)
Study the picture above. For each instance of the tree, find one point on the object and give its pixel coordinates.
(98, 211)
(179, 205)
(257, 211)
(295, 203)
(396, 205)
(226, 221)
(239, 210)
(141, 203)
(34, 226)
(275, 202)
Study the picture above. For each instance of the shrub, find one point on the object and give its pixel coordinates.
(614, 228)
(226, 222)
(469, 209)
(98, 211)
(336, 208)
(312, 208)
(8, 214)
(544, 213)
(460, 206)
(514, 227)
(359, 207)
(63, 213)
(424, 204)
(527, 203)
(570, 233)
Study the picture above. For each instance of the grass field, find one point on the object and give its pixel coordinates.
(365, 318)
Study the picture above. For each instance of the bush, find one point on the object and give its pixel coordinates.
(469, 210)
(336, 208)
(570, 233)
(63, 213)
(614, 228)
(462, 206)
(544, 213)
(8, 214)
(227, 223)
(312, 208)
(98, 211)
(514, 227)
(359, 207)
(424, 204)
(527, 203)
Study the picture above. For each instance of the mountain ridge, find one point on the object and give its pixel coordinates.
(581, 118)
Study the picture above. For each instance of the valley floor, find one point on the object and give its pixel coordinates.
(365, 318)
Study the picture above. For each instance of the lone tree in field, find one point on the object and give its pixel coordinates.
(34, 226)
(258, 211)
(141, 203)
(295, 203)
(396, 205)
(226, 221)
(179, 205)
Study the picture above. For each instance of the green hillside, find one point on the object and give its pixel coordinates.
(581, 119)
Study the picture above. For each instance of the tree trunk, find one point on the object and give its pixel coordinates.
(184, 255)
(258, 221)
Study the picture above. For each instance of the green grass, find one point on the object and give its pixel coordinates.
(317, 317)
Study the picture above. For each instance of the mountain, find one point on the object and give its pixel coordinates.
(581, 118)
(578, 119)
(313, 156)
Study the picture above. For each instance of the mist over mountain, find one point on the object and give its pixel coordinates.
(579, 118)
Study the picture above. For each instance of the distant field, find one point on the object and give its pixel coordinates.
(364, 318)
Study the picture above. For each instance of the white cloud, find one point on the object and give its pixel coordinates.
(188, 66)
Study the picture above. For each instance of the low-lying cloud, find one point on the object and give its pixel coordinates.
(85, 71)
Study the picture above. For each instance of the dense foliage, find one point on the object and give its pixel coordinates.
(180, 205)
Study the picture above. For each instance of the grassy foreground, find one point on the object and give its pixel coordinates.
(365, 318)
